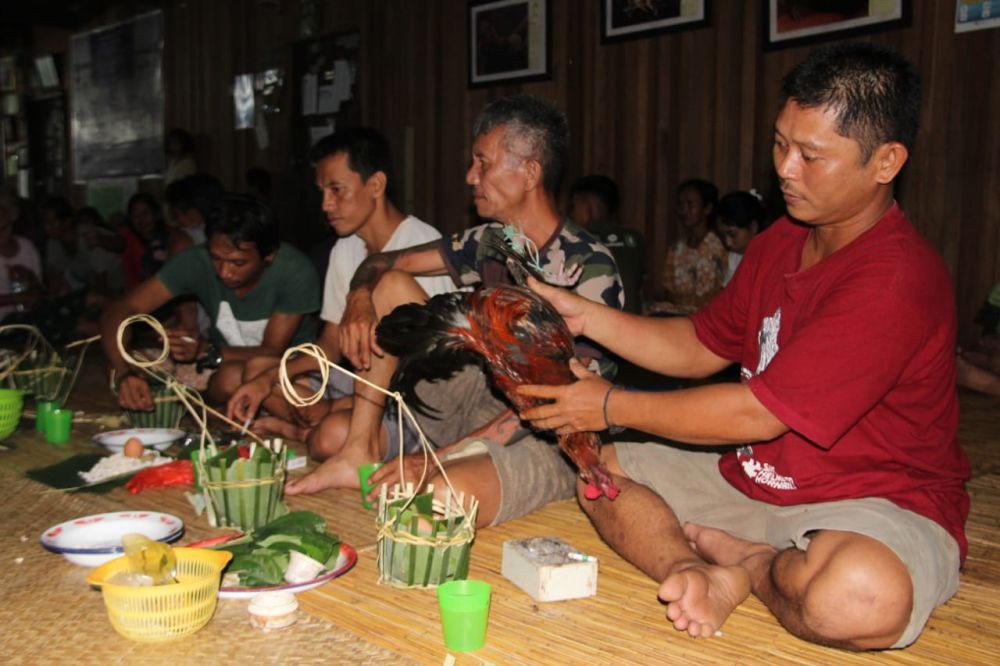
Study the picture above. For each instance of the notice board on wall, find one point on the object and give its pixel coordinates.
(117, 99)
(325, 96)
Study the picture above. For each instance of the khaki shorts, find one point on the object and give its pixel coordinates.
(532, 470)
(690, 483)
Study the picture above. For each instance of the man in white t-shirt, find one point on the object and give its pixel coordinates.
(354, 173)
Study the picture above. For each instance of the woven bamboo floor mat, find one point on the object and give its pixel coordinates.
(50, 614)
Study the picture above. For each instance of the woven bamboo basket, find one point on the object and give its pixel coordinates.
(241, 485)
(240, 490)
(38, 369)
(421, 542)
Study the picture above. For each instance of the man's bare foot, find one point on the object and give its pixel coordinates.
(333, 473)
(700, 597)
(722, 548)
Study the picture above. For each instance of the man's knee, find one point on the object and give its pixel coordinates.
(476, 477)
(257, 365)
(856, 590)
(328, 437)
(396, 288)
(225, 380)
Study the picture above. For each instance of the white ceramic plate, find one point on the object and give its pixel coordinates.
(153, 438)
(345, 561)
(93, 540)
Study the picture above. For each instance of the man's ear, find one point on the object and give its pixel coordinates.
(889, 160)
(377, 183)
(533, 173)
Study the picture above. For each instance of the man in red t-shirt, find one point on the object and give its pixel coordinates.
(843, 506)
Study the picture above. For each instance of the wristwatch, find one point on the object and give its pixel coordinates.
(210, 360)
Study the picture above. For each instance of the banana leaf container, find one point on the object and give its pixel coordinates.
(243, 484)
(423, 543)
(168, 410)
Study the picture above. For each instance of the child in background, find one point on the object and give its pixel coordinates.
(739, 217)
(593, 203)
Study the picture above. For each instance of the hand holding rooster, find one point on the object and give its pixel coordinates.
(576, 407)
(572, 307)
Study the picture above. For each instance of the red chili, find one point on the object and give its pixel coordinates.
(177, 473)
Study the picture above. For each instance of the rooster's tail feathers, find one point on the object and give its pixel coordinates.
(428, 340)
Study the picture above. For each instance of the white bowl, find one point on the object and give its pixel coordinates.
(93, 540)
(154, 438)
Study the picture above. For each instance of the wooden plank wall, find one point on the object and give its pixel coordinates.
(648, 112)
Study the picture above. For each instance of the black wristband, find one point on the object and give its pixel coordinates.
(612, 429)
(210, 360)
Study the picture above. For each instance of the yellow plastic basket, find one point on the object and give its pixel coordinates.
(11, 403)
(164, 612)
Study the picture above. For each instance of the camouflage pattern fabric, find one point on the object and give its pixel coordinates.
(471, 259)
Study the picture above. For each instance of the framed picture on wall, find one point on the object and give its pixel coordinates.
(508, 41)
(797, 22)
(628, 19)
(976, 15)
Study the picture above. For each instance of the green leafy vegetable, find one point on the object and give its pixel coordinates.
(261, 556)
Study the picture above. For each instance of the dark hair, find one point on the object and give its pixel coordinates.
(600, 187)
(183, 138)
(144, 198)
(532, 121)
(367, 152)
(90, 215)
(741, 209)
(258, 180)
(59, 206)
(199, 191)
(708, 192)
(874, 91)
(243, 218)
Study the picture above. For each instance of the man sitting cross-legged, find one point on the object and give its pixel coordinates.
(354, 174)
(518, 155)
(843, 506)
(259, 294)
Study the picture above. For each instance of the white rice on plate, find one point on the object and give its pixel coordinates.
(118, 463)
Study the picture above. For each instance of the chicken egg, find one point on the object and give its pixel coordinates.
(133, 447)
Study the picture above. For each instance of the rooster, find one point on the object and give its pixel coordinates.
(522, 339)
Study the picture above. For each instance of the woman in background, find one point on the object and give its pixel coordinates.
(146, 239)
(695, 265)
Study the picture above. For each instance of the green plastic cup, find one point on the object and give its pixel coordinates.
(42, 410)
(58, 425)
(364, 472)
(465, 610)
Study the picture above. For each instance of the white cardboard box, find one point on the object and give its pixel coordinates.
(549, 569)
